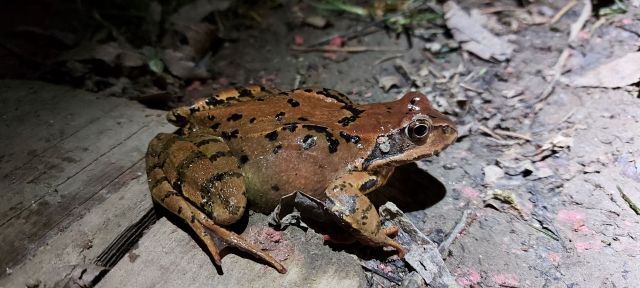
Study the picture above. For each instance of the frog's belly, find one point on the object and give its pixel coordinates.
(267, 179)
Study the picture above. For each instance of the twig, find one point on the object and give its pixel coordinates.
(566, 117)
(387, 58)
(626, 198)
(498, 9)
(470, 88)
(490, 132)
(557, 69)
(563, 11)
(350, 49)
(366, 30)
(512, 134)
(584, 16)
(444, 246)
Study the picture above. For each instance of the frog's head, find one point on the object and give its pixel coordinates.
(414, 130)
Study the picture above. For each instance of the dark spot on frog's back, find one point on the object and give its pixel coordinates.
(332, 142)
(303, 119)
(271, 136)
(291, 127)
(280, 116)
(275, 188)
(277, 149)
(333, 145)
(234, 117)
(244, 159)
(293, 102)
(211, 117)
(253, 119)
(308, 90)
(349, 138)
(215, 126)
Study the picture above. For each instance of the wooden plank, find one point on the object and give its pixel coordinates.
(167, 256)
(112, 209)
(51, 113)
(62, 161)
(46, 191)
(44, 215)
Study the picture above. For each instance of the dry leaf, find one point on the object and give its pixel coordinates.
(473, 37)
(387, 82)
(182, 66)
(620, 72)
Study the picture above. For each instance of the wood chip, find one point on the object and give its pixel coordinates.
(473, 37)
(616, 73)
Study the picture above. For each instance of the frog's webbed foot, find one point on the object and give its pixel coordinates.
(356, 213)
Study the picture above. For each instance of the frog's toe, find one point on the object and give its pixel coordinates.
(394, 244)
(391, 231)
(233, 239)
(339, 238)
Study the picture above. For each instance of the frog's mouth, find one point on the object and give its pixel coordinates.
(397, 148)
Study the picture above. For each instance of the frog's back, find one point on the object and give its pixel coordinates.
(286, 141)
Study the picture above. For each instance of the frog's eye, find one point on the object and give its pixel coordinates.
(418, 129)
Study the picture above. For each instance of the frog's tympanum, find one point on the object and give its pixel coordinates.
(246, 148)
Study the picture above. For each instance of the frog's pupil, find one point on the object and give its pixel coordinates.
(420, 130)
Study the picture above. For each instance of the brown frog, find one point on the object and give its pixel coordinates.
(247, 148)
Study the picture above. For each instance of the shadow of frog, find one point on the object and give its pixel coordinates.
(410, 188)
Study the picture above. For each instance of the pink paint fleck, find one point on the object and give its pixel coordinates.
(272, 235)
(298, 40)
(467, 277)
(330, 55)
(470, 193)
(584, 35)
(576, 219)
(626, 21)
(384, 268)
(336, 41)
(554, 258)
(508, 280)
(583, 246)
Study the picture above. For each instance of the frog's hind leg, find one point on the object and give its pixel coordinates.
(187, 162)
(353, 210)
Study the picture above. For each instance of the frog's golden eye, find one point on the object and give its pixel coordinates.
(418, 129)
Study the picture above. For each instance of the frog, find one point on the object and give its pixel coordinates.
(247, 148)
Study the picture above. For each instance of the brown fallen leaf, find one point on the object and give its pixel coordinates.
(388, 82)
(473, 37)
(196, 10)
(619, 72)
(183, 66)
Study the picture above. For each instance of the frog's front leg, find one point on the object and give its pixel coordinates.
(353, 210)
(196, 178)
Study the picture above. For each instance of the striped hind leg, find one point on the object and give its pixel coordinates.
(186, 177)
